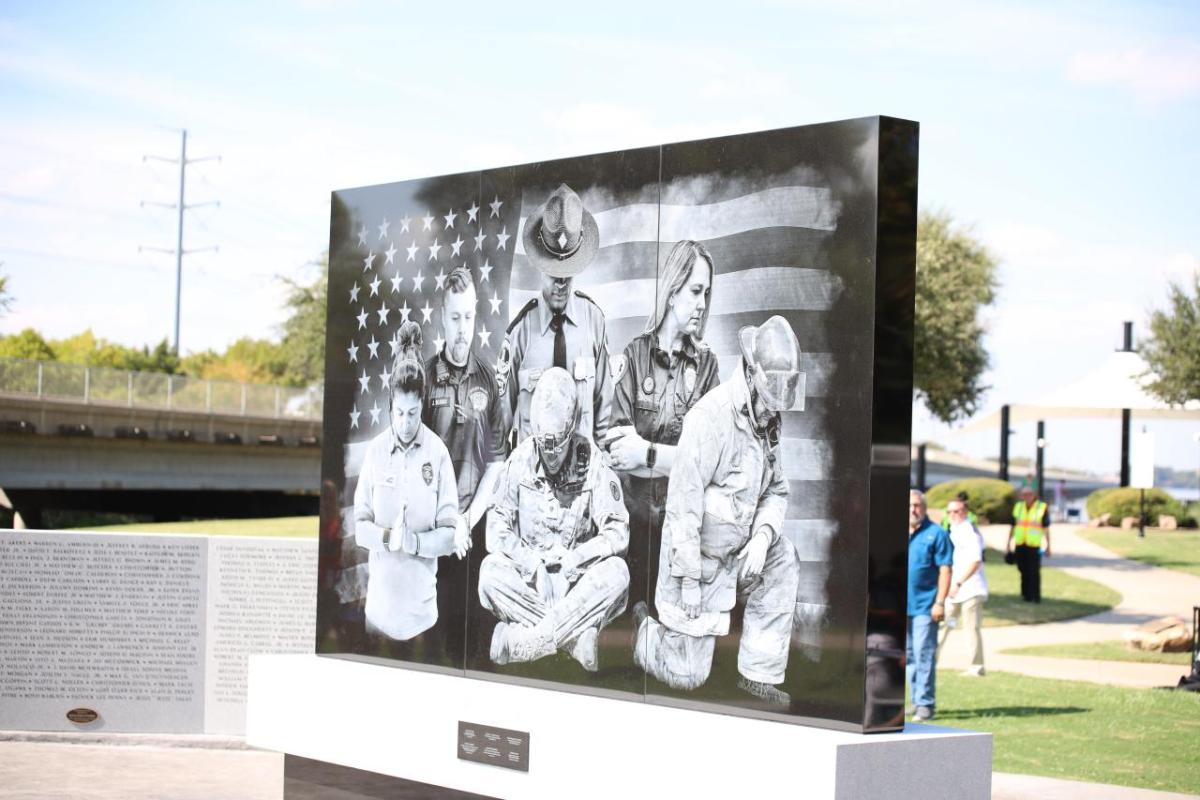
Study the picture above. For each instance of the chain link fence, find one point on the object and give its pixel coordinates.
(111, 387)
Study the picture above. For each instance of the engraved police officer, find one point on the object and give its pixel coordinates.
(556, 534)
(463, 405)
(560, 328)
(465, 408)
(406, 506)
(723, 537)
(661, 375)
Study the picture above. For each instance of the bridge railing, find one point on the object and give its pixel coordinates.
(132, 389)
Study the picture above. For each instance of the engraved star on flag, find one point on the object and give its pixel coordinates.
(403, 260)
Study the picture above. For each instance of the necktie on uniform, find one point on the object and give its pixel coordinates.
(560, 341)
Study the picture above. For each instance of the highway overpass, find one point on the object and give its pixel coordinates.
(167, 446)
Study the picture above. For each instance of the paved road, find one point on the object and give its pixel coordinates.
(1146, 593)
(40, 770)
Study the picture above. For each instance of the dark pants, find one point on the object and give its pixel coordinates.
(645, 500)
(1029, 563)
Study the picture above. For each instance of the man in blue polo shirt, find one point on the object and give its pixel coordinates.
(930, 555)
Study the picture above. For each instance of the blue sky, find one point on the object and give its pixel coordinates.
(1064, 135)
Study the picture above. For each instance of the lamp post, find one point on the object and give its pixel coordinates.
(1041, 458)
(1004, 434)
(1126, 414)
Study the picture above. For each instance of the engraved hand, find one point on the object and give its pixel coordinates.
(690, 597)
(754, 555)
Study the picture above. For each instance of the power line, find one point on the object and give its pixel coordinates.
(87, 260)
(48, 203)
(180, 207)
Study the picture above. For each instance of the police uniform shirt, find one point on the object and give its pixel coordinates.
(463, 406)
(418, 480)
(655, 390)
(530, 344)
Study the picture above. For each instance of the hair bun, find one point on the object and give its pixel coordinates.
(410, 337)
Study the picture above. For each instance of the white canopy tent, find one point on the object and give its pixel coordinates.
(1117, 384)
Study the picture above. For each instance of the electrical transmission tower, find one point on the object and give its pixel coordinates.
(180, 206)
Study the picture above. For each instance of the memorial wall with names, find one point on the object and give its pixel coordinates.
(147, 633)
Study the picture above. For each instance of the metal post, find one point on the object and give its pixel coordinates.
(1126, 414)
(1142, 515)
(129, 387)
(1126, 422)
(921, 467)
(179, 237)
(1041, 457)
(1004, 409)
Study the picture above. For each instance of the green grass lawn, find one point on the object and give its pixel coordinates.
(1179, 550)
(1063, 596)
(1079, 731)
(1102, 651)
(272, 526)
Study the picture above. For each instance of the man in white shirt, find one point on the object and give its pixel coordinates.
(968, 586)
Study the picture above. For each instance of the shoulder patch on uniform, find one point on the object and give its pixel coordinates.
(479, 399)
(503, 365)
(616, 491)
(525, 309)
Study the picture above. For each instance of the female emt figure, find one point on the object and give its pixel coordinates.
(406, 507)
(660, 376)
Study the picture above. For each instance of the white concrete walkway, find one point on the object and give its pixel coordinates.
(1146, 593)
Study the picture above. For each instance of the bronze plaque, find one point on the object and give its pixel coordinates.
(499, 747)
(82, 716)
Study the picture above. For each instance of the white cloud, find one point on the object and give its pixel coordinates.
(1156, 73)
(592, 127)
(1179, 268)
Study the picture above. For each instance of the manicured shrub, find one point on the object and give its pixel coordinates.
(1127, 502)
(1093, 502)
(1191, 516)
(990, 497)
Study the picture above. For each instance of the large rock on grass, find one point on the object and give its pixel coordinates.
(1164, 635)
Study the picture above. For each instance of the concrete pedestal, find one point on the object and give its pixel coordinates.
(404, 723)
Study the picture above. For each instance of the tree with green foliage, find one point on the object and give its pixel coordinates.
(1172, 351)
(89, 350)
(6, 299)
(303, 344)
(956, 277)
(27, 344)
(245, 361)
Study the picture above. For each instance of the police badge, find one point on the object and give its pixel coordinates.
(427, 473)
(479, 399)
